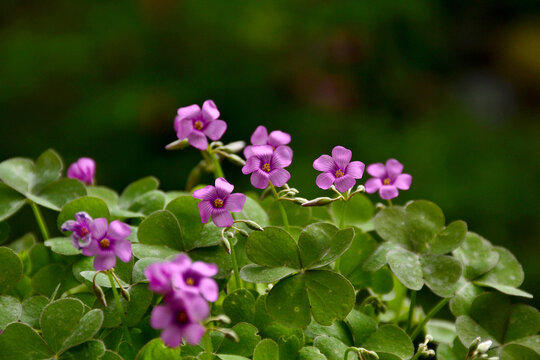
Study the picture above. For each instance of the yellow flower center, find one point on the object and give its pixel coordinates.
(182, 317)
(339, 173)
(198, 125)
(387, 181)
(105, 243)
(190, 281)
(218, 203)
(266, 167)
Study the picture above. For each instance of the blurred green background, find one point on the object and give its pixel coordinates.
(450, 88)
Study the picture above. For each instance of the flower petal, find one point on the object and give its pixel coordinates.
(223, 188)
(345, 182)
(118, 230)
(278, 138)
(394, 168)
(98, 228)
(325, 180)
(209, 289)
(259, 179)
(193, 333)
(263, 152)
(196, 308)
(248, 152)
(198, 140)
(161, 317)
(206, 193)
(122, 249)
(205, 209)
(325, 163)
(69, 225)
(172, 336)
(282, 157)
(253, 163)
(388, 192)
(279, 177)
(260, 136)
(235, 202)
(190, 111)
(355, 169)
(403, 181)
(341, 156)
(92, 249)
(104, 261)
(183, 261)
(372, 185)
(377, 170)
(205, 269)
(209, 110)
(222, 218)
(215, 129)
(183, 128)
(83, 217)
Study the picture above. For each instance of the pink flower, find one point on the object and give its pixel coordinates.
(260, 137)
(83, 169)
(218, 202)
(81, 235)
(196, 124)
(338, 169)
(387, 179)
(266, 164)
(108, 242)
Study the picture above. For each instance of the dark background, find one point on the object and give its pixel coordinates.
(450, 88)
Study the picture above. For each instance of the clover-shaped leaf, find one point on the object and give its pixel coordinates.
(249, 338)
(93, 206)
(358, 212)
(19, 341)
(11, 269)
(390, 339)
(10, 310)
(10, 201)
(273, 247)
(320, 244)
(156, 349)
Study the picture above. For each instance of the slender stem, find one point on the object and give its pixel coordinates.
(218, 171)
(40, 221)
(238, 280)
(343, 214)
(411, 310)
(281, 208)
(417, 355)
(389, 202)
(431, 314)
(119, 307)
(207, 343)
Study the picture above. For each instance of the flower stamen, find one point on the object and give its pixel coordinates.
(190, 281)
(266, 167)
(198, 125)
(218, 203)
(84, 231)
(182, 317)
(105, 243)
(387, 181)
(339, 173)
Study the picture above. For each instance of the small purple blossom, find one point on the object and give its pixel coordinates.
(338, 169)
(83, 169)
(260, 137)
(179, 318)
(80, 227)
(196, 124)
(108, 242)
(195, 278)
(218, 202)
(266, 164)
(387, 179)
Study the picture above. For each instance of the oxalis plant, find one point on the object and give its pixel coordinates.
(210, 273)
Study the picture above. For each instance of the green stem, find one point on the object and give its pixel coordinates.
(281, 208)
(237, 279)
(40, 221)
(207, 343)
(417, 355)
(218, 171)
(431, 314)
(119, 308)
(343, 213)
(389, 202)
(411, 310)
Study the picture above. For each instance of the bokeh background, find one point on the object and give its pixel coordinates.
(450, 88)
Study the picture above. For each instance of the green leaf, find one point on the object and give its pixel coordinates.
(18, 173)
(507, 272)
(288, 302)
(338, 330)
(240, 306)
(141, 251)
(101, 279)
(253, 211)
(10, 201)
(156, 349)
(31, 310)
(361, 326)
(62, 246)
(4, 231)
(39, 257)
(148, 203)
(477, 256)
(443, 331)
(57, 194)
(10, 310)
(247, 334)
(332, 348)
(137, 189)
(406, 266)
(310, 353)
(216, 255)
(449, 239)
(390, 225)
(359, 210)
(95, 207)
(210, 236)
(524, 321)
(21, 342)
(88, 326)
(140, 266)
(389, 339)
(110, 355)
(273, 247)
(104, 193)
(518, 352)
(441, 274)
(161, 228)
(90, 350)
(260, 274)
(468, 330)
(424, 221)
(463, 298)
(321, 243)
(185, 209)
(47, 278)
(48, 169)
(331, 295)
(267, 349)
(289, 347)
(11, 269)
(530, 342)
(140, 299)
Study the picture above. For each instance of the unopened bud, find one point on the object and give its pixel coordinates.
(321, 201)
(235, 159)
(125, 294)
(234, 147)
(484, 346)
(177, 145)
(430, 352)
(251, 224)
(226, 244)
(229, 334)
(98, 291)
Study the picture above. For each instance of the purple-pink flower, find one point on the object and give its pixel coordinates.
(387, 179)
(218, 202)
(196, 124)
(179, 318)
(108, 242)
(195, 278)
(260, 137)
(80, 227)
(338, 169)
(83, 169)
(266, 164)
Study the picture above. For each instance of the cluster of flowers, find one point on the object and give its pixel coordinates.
(186, 287)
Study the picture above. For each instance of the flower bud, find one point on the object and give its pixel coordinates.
(234, 147)
(321, 201)
(484, 346)
(177, 145)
